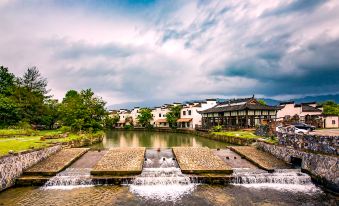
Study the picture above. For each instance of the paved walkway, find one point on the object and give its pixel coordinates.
(262, 159)
(326, 132)
(120, 162)
(57, 162)
(197, 160)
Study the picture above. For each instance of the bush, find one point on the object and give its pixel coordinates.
(149, 127)
(24, 125)
(64, 129)
(217, 128)
(128, 127)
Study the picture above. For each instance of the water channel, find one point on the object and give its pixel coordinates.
(162, 183)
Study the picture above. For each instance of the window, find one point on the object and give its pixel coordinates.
(333, 121)
(159, 115)
(189, 112)
(184, 113)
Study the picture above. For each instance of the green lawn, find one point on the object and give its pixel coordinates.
(22, 143)
(241, 134)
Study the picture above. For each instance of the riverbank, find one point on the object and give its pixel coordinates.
(22, 140)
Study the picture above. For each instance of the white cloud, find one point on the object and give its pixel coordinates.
(198, 49)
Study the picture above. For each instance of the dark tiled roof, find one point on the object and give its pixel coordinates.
(235, 101)
(244, 106)
(308, 108)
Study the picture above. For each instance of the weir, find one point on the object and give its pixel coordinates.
(161, 178)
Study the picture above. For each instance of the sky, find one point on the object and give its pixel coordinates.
(162, 50)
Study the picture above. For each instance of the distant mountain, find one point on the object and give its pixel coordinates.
(269, 101)
(318, 99)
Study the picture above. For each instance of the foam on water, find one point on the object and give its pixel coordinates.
(292, 180)
(69, 179)
(161, 178)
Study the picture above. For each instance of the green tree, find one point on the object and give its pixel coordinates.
(145, 116)
(82, 111)
(7, 81)
(110, 121)
(9, 109)
(51, 113)
(262, 102)
(330, 108)
(173, 115)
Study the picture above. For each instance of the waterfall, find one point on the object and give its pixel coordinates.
(283, 179)
(161, 178)
(69, 179)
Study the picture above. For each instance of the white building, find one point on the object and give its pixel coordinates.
(123, 114)
(190, 117)
(331, 121)
(304, 111)
(134, 115)
(159, 116)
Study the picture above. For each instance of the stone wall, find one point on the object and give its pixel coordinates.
(323, 168)
(315, 143)
(12, 166)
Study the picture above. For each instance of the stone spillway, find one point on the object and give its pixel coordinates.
(200, 160)
(120, 162)
(57, 162)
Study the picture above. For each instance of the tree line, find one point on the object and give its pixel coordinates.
(26, 101)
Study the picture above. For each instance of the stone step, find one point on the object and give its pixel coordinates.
(198, 160)
(56, 163)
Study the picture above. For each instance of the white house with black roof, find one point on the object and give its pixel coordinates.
(238, 113)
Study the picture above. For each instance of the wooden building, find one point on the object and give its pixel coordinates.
(238, 113)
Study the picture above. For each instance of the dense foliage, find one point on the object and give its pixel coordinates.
(25, 101)
(173, 115)
(144, 117)
(330, 108)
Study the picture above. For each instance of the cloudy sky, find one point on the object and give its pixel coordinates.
(159, 50)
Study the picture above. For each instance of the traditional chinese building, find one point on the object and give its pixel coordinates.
(238, 113)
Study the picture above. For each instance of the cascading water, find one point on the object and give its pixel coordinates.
(69, 179)
(161, 177)
(283, 179)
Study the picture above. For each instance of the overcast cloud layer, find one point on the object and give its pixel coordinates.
(128, 51)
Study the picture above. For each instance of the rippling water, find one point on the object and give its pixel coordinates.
(202, 195)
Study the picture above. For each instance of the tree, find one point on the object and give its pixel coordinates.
(110, 121)
(82, 110)
(173, 115)
(30, 94)
(330, 108)
(9, 109)
(145, 116)
(51, 113)
(33, 81)
(262, 102)
(7, 81)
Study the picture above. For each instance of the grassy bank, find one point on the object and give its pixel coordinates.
(18, 141)
(240, 134)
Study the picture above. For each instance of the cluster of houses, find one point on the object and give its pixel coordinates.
(236, 113)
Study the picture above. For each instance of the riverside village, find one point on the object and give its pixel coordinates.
(151, 103)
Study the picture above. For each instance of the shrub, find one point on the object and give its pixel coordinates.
(149, 127)
(217, 128)
(64, 129)
(128, 127)
(24, 125)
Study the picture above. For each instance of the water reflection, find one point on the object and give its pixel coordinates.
(155, 140)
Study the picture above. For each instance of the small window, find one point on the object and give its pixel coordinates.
(333, 121)
(184, 113)
(159, 115)
(189, 112)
